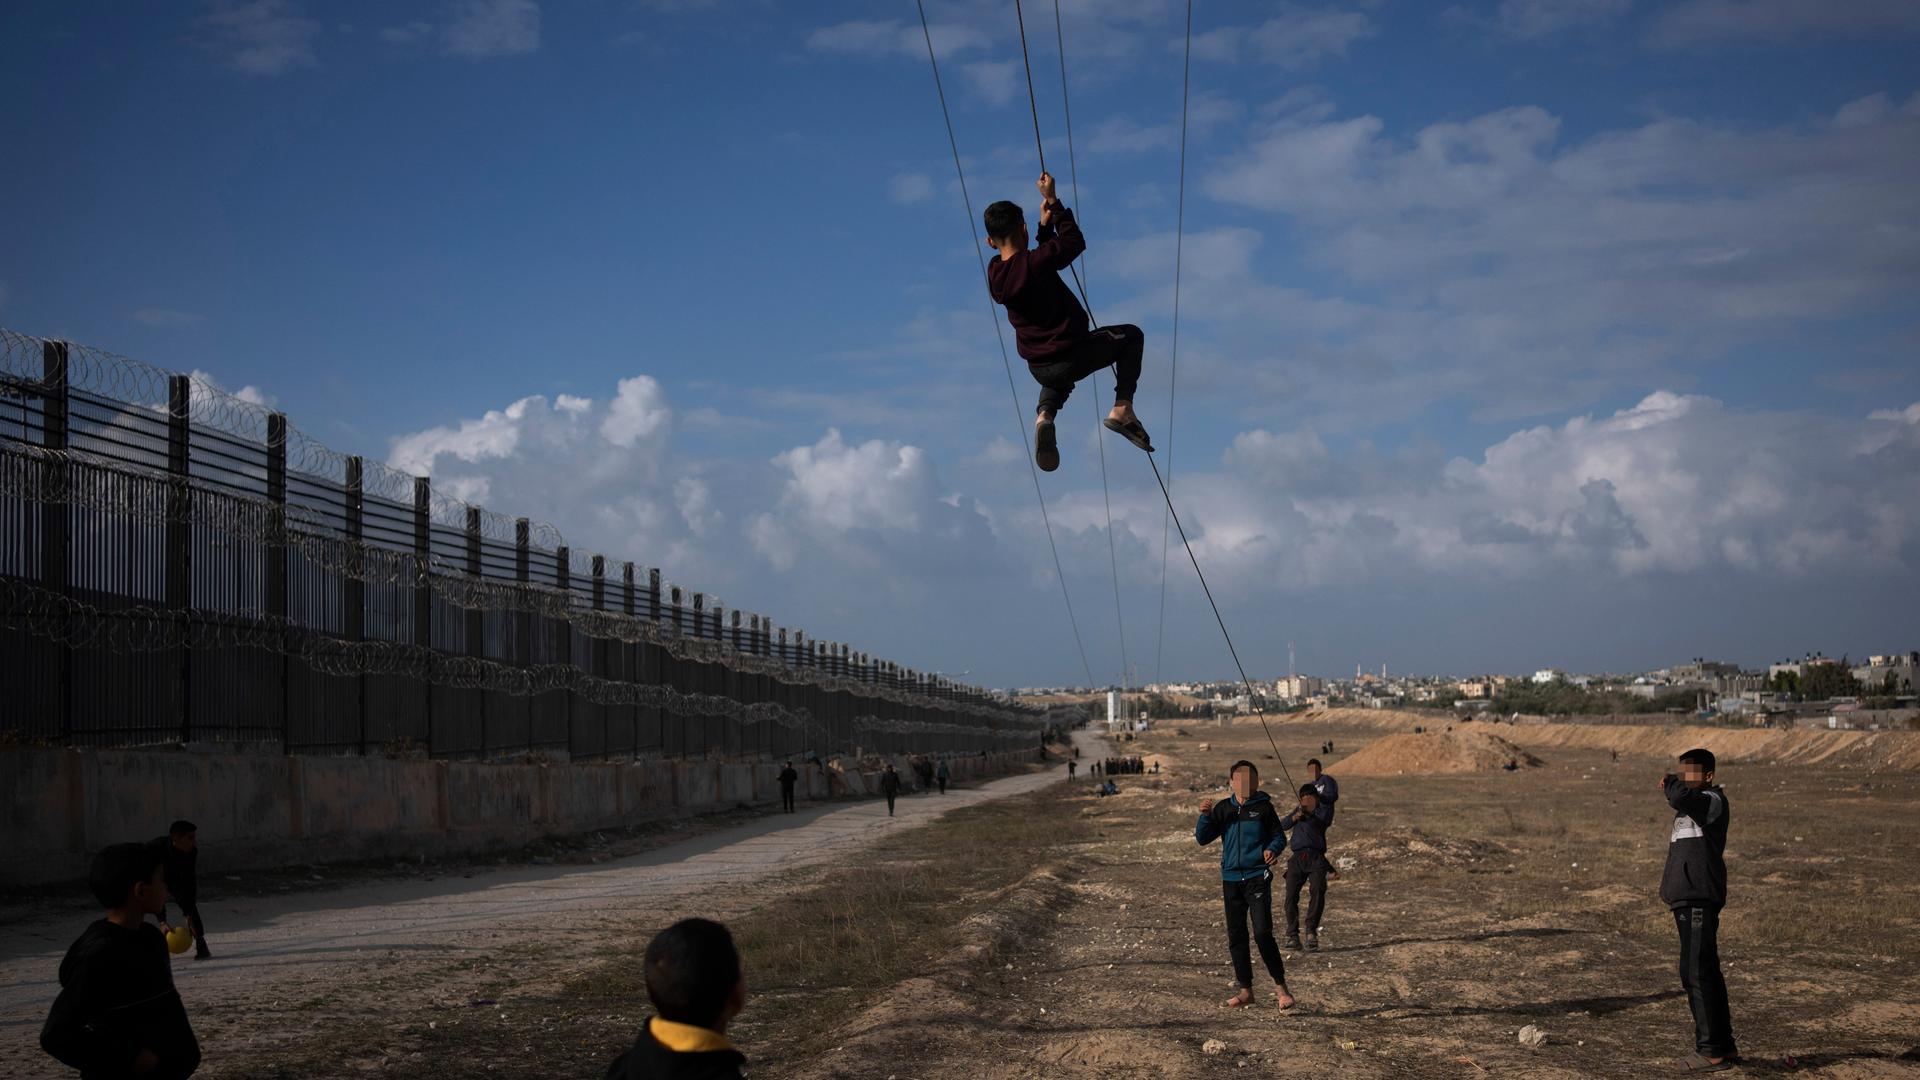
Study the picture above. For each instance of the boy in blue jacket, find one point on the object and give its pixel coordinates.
(1251, 836)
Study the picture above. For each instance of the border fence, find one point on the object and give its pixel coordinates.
(178, 564)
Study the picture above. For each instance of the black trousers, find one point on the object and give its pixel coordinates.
(190, 910)
(890, 797)
(1700, 973)
(943, 785)
(1120, 346)
(786, 797)
(1253, 897)
(1310, 871)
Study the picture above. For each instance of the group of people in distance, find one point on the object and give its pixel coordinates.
(1123, 766)
(1254, 835)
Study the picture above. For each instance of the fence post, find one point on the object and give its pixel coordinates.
(598, 652)
(630, 651)
(179, 547)
(56, 517)
(354, 603)
(475, 625)
(563, 577)
(277, 605)
(423, 586)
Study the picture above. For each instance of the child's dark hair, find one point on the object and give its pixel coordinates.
(1315, 762)
(1243, 763)
(1702, 758)
(1309, 789)
(183, 827)
(1002, 218)
(691, 968)
(117, 868)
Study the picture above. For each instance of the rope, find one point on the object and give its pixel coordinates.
(993, 316)
(1175, 515)
(1173, 381)
(1106, 495)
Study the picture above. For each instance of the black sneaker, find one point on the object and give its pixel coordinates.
(203, 954)
(1292, 942)
(1313, 942)
(1046, 451)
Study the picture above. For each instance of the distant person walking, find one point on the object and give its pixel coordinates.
(1071, 766)
(942, 775)
(787, 779)
(890, 787)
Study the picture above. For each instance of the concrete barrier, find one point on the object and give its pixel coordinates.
(254, 809)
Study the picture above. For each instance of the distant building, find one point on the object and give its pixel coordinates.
(1474, 689)
(1905, 669)
(1297, 687)
(1549, 675)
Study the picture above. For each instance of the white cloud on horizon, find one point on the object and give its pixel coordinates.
(261, 37)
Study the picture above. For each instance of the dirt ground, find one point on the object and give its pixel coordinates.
(1050, 932)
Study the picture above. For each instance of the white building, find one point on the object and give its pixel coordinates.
(1549, 675)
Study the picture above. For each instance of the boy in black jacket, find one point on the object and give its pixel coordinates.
(1250, 835)
(118, 1014)
(693, 977)
(181, 851)
(1694, 885)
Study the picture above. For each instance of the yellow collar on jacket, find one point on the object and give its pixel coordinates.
(686, 1038)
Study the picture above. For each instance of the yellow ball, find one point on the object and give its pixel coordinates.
(179, 940)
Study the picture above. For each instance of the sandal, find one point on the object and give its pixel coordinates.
(1240, 1000)
(1046, 450)
(1697, 1062)
(1133, 432)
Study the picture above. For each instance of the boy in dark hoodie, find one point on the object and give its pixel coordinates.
(1694, 886)
(1251, 834)
(118, 1014)
(181, 851)
(693, 977)
(1050, 328)
(1307, 865)
(890, 786)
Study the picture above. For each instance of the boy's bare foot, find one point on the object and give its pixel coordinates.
(1242, 999)
(1285, 999)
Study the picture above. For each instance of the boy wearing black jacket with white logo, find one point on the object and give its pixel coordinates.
(1251, 836)
(118, 1014)
(1694, 885)
(1307, 865)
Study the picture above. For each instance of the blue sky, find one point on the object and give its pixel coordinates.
(1515, 333)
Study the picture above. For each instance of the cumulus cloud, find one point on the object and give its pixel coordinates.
(1535, 272)
(263, 37)
(1294, 38)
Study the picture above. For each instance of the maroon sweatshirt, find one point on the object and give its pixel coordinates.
(1046, 317)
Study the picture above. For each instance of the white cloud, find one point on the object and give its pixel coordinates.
(157, 316)
(910, 188)
(893, 38)
(995, 82)
(484, 28)
(263, 37)
(1293, 39)
(1539, 18)
(639, 412)
(1699, 22)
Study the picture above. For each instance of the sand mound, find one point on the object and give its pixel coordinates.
(1415, 846)
(1434, 752)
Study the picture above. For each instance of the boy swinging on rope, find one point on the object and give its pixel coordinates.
(1050, 326)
